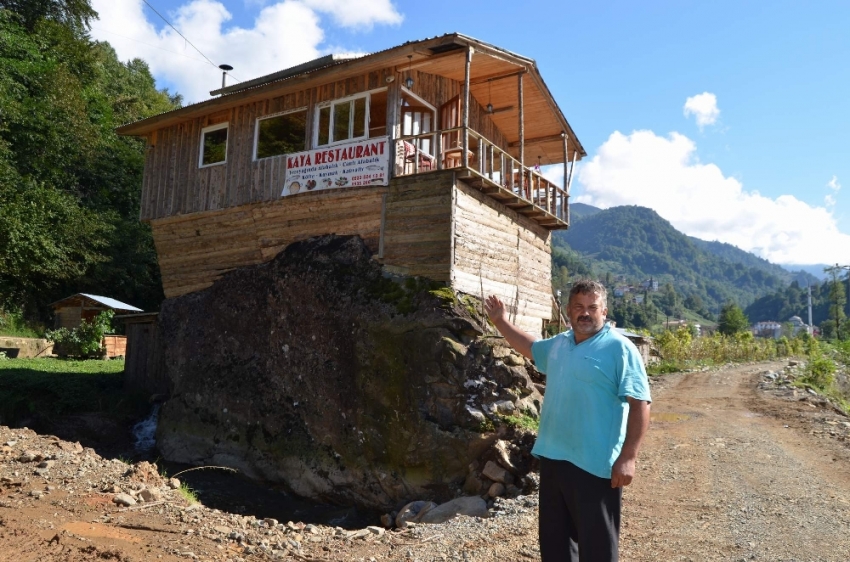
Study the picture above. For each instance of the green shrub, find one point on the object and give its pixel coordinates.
(820, 372)
(12, 324)
(86, 340)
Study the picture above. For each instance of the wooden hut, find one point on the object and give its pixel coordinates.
(70, 311)
(429, 151)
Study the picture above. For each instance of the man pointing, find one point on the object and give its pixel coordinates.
(595, 414)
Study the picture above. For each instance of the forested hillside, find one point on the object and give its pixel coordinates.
(637, 243)
(69, 186)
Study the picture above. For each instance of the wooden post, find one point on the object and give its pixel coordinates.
(393, 130)
(490, 160)
(465, 148)
(563, 212)
(438, 150)
(521, 128)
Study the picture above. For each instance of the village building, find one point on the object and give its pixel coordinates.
(431, 152)
(71, 311)
(767, 329)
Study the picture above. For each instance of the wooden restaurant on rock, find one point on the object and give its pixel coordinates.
(430, 151)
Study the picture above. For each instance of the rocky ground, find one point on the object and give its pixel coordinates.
(738, 465)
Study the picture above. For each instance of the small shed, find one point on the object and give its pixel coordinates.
(71, 311)
(643, 343)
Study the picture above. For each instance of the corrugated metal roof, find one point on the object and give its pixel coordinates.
(629, 334)
(105, 301)
(112, 303)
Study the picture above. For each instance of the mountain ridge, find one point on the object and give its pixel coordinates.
(636, 243)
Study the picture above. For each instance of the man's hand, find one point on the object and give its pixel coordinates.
(495, 309)
(498, 313)
(623, 471)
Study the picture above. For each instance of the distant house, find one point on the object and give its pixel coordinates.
(71, 311)
(637, 299)
(650, 285)
(621, 291)
(767, 329)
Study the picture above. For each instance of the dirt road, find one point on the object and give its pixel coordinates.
(733, 472)
(730, 470)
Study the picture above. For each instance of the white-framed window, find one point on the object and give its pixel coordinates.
(281, 133)
(213, 145)
(342, 120)
(354, 117)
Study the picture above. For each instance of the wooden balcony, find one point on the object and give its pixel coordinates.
(489, 169)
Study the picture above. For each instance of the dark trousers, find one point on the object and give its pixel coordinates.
(579, 515)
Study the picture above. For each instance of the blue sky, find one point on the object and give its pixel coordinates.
(758, 161)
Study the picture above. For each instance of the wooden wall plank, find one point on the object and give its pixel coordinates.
(506, 253)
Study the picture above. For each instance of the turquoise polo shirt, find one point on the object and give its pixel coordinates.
(585, 408)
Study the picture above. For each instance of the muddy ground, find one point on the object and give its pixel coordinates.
(735, 467)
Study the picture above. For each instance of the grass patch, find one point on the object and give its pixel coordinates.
(522, 420)
(663, 368)
(188, 493)
(56, 387)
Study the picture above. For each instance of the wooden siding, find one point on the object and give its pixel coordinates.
(417, 226)
(497, 251)
(143, 365)
(115, 346)
(195, 250)
(174, 184)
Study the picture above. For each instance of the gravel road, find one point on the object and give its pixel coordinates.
(736, 466)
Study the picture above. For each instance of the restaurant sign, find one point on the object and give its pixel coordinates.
(352, 164)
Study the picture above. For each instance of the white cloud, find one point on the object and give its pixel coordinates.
(704, 108)
(284, 34)
(664, 174)
(829, 199)
(358, 13)
(833, 184)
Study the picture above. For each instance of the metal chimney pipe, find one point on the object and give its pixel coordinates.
(225, 68)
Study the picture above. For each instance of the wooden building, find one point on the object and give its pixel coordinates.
(70, 311)
(430, 151)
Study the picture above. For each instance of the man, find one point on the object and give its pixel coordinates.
(595, 414)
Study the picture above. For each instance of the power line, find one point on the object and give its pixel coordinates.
(181, 35)
(148, 44)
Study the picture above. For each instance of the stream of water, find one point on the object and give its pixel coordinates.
(234, 493)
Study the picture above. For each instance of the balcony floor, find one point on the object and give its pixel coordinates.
(511, 200)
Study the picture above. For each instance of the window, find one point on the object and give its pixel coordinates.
(281, 134)
(213, 145)
(341, 121)
(352, 118)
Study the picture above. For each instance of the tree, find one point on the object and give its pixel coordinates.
(732, 320)
(69, 185)
(837, 299)
(76, 14)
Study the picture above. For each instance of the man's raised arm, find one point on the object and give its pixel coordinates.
(518, 339)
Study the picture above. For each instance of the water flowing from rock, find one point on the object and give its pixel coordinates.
(144, 432)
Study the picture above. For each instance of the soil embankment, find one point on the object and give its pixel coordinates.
(733, 468)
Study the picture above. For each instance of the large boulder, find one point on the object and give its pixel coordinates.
(317, 371)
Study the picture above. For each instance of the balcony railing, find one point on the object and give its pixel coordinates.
(489, 168)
